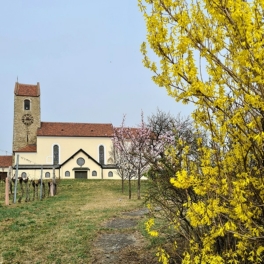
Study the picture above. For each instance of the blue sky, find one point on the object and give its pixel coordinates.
(85, 55)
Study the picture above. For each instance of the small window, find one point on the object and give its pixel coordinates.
(67, 174)
(23, 175)
(26, 105)
(94, 173)
(47, 175)
(110, 174)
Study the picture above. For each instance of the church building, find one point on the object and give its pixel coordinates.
(56, 149)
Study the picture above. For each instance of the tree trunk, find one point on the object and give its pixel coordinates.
(27, 192)
(138, 189)
(34, 190)
(129, 187)
(43, 193)
(21, 189)
(123, 184)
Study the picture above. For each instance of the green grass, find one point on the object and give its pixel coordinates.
(61, 229)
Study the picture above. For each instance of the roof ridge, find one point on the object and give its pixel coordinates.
(54, 122)
(27, 84)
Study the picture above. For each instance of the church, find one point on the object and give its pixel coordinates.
(56, 149)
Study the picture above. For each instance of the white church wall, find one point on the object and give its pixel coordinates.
(107, 174)
(70, 145)
(26, 158)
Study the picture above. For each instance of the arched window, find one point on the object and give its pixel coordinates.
(55, 155)
(67, 174)
(47, 175)
(110, 174)
(26, 104)
(101, 154)
(94, 173)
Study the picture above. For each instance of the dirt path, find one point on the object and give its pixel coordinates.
(121, 243)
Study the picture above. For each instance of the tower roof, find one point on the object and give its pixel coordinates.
(32, 90)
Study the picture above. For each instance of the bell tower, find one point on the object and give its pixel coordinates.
(26, 115)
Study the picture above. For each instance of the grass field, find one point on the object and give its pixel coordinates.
(61, 229)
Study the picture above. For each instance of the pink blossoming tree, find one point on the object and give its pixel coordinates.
(132, 144)
(137, 149)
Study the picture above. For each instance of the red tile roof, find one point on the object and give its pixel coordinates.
(75, 129)
(28, 148)
(5, 161)
(27, 89)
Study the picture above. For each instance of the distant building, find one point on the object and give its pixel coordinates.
(5, 166)
(68, 150)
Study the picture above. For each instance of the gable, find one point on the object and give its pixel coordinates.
(85, 153)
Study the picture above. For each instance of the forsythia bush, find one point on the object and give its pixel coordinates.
(212, 55)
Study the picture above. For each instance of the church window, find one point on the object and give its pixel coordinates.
(47, 175)
(26, 104)
(55, 154)
(94, 173)
(67, 174)
(80, 161)
(110, 174)
(101, 154)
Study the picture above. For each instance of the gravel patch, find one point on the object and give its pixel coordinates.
(115, 242)
(124, 245)
(140, 212)
(120, 223)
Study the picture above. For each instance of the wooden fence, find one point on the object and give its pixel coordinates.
(27, 190)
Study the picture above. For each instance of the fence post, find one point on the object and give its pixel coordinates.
(54, 182)
(6, 191)
(41, 183)
(15, 191)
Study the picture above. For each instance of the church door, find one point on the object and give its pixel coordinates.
(80, 174)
